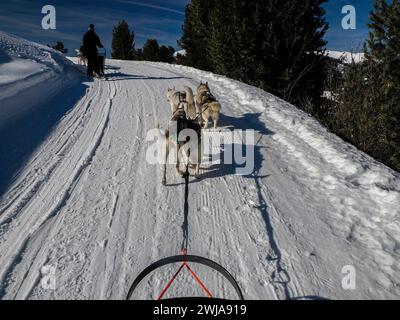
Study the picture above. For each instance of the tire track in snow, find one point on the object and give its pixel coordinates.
(14, 255)
(157, 227)
(122, 251)
(13, 208)
(55, 226)
(112, 252)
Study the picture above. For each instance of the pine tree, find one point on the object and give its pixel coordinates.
(123, 42)
(180, 59)
(166, 54)
(276, 45)
(196, 33)
(292, 51)
(383, 51)
(138, 55)
(222, 41)
(368, 110)
(151, 50)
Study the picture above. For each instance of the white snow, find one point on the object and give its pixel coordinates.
(347, 57)
(181, 52)
(29, 72)
(86, 202)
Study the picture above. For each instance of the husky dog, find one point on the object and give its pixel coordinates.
(184, 99)
(82, 60)
(207, 104)
(179, 105)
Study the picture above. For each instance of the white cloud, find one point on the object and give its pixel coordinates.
(142, 4)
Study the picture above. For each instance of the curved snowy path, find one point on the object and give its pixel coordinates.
(89, 204)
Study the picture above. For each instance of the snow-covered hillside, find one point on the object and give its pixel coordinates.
(29, 73)
(87, 204)
(345, 56)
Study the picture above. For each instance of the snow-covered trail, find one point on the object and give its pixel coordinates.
(90, 205)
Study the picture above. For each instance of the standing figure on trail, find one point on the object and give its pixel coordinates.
(90, 43)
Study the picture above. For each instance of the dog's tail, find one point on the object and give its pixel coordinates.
(189, 95)
(191, 110)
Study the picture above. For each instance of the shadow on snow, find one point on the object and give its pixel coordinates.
(124, 77)
(22, 135)
(280, 277)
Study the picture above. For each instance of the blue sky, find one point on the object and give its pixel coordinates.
(347, 40)
(149, 19)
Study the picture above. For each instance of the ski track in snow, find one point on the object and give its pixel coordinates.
(88, 203)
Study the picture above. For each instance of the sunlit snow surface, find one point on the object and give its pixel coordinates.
(77, 194)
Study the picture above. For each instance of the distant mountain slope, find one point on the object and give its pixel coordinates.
(347, 57)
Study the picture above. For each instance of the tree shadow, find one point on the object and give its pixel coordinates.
(280, 277)
(22, 135)
(245, 122)
(108, 67)
(315, 298)
(119, 76)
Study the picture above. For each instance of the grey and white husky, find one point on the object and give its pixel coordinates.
(207, 104)
(183, 99)
(184, 116)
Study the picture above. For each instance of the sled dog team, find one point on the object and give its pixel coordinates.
(188, 112)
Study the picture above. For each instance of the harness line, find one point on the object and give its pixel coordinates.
(185, 243)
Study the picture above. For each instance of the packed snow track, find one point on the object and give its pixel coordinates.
(88, 209)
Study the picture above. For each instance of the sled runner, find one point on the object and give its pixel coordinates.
(185, 259)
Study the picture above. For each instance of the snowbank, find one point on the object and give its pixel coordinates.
(347, 57)
(180, 52)
(30, 74)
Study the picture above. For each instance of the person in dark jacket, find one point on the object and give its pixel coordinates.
(90, 43)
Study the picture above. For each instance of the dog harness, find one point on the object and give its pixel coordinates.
(207, 97)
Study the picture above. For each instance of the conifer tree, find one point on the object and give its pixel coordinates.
(196, 33)
(166, 54)
(277, 45)
(151, 50)
(383, 52)
(368, 110)
(138, 55)
(123, 42)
